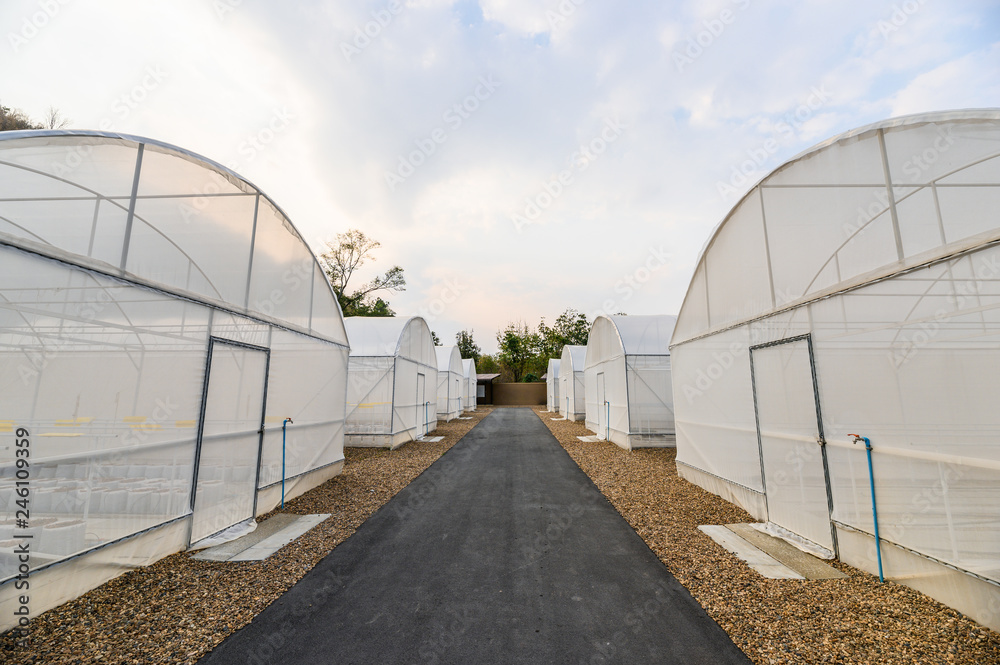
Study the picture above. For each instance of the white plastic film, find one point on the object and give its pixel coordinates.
(449, 382)
(552, 386)
(307, 383)
(627, 380)
(572, 389)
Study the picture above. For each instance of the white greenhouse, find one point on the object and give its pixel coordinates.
(856, 291)
(392, 381)
(160, 319)
(469, 383)
(627, 376)
(449, 382)
(572, 402)
(552, 386)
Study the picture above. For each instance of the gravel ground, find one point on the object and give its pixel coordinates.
(855, 620)
(178, 609)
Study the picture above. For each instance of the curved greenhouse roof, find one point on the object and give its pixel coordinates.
(166, 218)
(860, 207)
(406, 337)
(635, 336)
(577, 357)
(449, 360)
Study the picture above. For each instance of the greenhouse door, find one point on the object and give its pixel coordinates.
(790, 435)
(602, 408)
(232, 425)
(422, 407)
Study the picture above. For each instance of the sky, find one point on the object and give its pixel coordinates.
(515, 157)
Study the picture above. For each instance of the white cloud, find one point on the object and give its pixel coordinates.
(356, 114)
(967, 82)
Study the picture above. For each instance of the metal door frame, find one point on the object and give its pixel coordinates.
(422, 405)
(821, 436)
(602, 396)
(212, 341)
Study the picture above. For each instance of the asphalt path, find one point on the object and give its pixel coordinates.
(502, 551)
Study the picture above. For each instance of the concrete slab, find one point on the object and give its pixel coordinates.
(805, 564)
(265, 529)
(503, 551)
(270, 535)
(754, 557)
(590, 439)
(431, 439)
(276, 541)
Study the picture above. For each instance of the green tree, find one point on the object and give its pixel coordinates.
(343, 258)
(487, 364)
(15, 119)
(467, 346)
(519, 346)
(571, 327)
(378, 307)
(435, 339)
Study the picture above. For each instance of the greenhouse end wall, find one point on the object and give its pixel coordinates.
(629, 397)
(552, 387)
(885, 323)
(449, 382)
(572, 389)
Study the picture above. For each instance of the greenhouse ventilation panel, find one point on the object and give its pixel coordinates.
(392, 381)
(160, 318)
(856, 290)
(627, 376)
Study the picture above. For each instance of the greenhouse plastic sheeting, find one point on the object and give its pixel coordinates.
(629, 398)
(856, 289)
(157, 312)
(552, 386)
(470, 382)
(449, 386)
(392, 393)
(572, 393)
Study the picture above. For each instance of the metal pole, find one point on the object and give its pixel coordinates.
(871, 482)
(283, 430)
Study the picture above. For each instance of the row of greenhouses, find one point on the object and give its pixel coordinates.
(846, 309)
(173, 360)
(619, 383)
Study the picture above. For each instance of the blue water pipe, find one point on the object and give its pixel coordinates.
(283, 430)
(871, 482)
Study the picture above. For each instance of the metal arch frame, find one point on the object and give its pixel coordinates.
(821, 440)
(141, 143)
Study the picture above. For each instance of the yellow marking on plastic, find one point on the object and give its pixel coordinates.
(60, 434)
(186, 423)
(72, 422)
(6, 425)
(147, 426)
(134, 419)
